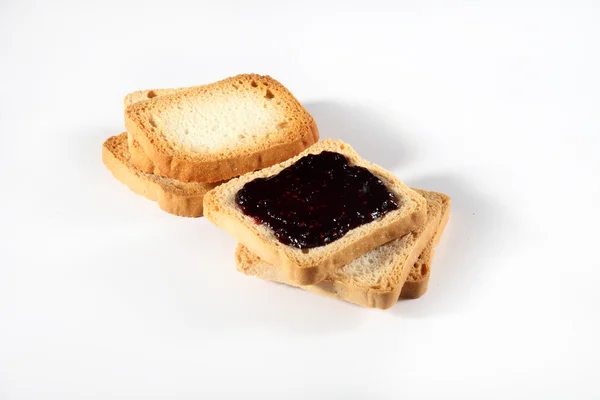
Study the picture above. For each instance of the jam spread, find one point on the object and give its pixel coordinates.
(316, 201)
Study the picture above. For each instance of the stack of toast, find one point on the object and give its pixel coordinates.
(180, 143)
(245, 153)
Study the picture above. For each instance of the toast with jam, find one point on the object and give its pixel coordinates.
(399, 268)
(317, 211)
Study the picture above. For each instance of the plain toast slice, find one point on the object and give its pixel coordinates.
(179, 198)
(221, 130)
(309, 266)
(376, 278)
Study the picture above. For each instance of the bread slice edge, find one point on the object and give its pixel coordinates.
(169, 196)
(418, 279)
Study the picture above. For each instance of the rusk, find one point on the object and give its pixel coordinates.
(218, 131)
(309, 266)
(376, 278)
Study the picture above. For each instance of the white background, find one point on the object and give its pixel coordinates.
(102, 295)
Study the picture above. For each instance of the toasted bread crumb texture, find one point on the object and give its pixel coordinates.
(374, 279)
(179, 198)
(307, 266)
(220, 130)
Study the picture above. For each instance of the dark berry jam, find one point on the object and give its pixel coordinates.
(316, 201)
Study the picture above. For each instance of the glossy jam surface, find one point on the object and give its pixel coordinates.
(316, 201)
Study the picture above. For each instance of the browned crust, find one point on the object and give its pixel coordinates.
(181, 202)
(418, 280)
(416, 286)
(186, 168)
(138, 158)
(305, 270)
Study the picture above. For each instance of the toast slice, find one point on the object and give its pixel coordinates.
(179, 198)
(309, 266)
(214, 132)
(374, 279)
